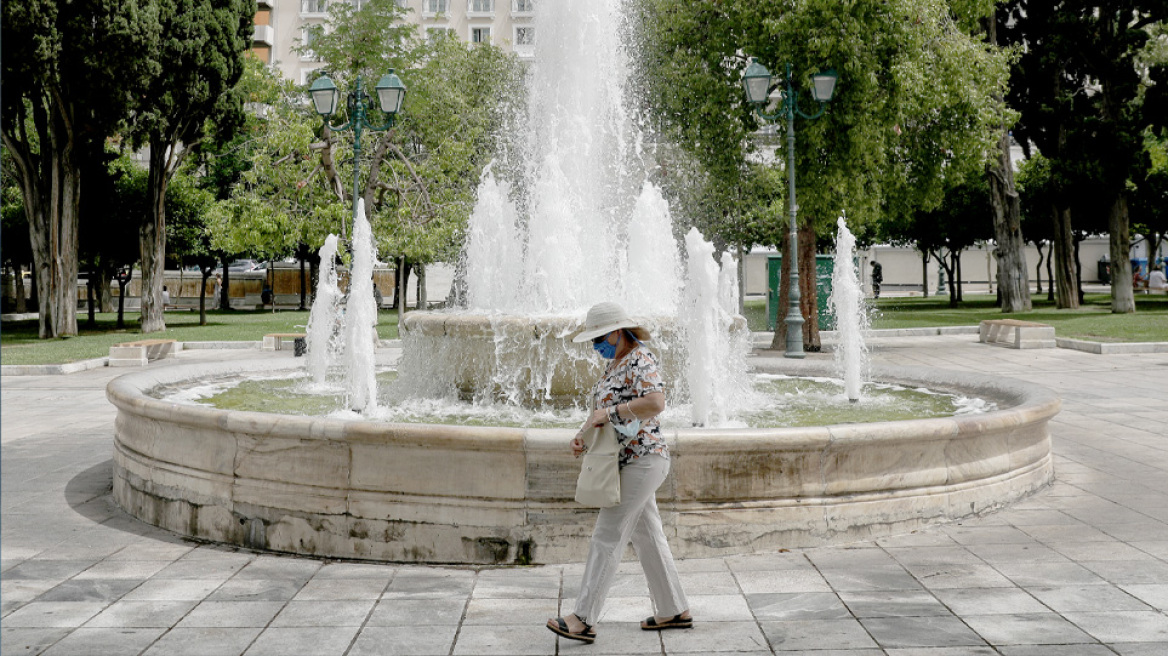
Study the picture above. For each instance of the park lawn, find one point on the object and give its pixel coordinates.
(1092, 321)
(19, 343)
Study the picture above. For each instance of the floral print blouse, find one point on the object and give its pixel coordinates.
(632, 377)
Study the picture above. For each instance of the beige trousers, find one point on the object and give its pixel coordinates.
(636, 519)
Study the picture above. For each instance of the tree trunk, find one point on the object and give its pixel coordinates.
(18, 280)
(122, 303)
(50, 185)
(303, 287)
(1013, 285)
(206, 277)
(1066, 296)
(313, 277)
(741, 271)
(224, 289)
(105, 272)
(957, 278)
(1078, 268)
(152, 243)
(1038, 267)
(809, 289)
(91, 300)
(925, 273)
(403, 279)
(1123, 298)
(421, 271)
(1049, 273)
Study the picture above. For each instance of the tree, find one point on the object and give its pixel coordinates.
(17, 252)
(1083, 90)
(918, 103)
(114, 189)
(71, 72)
(1034, 190)
(203, 43)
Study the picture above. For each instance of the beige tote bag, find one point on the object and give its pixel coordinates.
(599, 483)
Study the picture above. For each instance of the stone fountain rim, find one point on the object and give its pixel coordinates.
(132, 393)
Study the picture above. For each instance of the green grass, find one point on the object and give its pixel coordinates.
(1092, 321)
(19, 343)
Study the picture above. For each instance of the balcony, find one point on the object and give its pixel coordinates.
(480, 9)
(264, 34)
(522, 9)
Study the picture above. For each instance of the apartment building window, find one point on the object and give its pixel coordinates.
(434, 7)
(313, 6)
(306, 38)
(524, 37)
(480, 6)
(480, 35)
(435, 33)
(523, 6)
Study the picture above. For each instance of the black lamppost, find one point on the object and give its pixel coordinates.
(758, 83)
(390, 95)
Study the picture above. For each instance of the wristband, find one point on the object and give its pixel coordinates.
(614, 414)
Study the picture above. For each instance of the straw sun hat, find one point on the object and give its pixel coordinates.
(604, 318)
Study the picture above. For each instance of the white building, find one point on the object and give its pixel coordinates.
(279, 27)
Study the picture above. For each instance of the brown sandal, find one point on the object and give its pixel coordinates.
(560, 628)
(675, 622)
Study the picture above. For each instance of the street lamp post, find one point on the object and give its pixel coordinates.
(390, 95)
(757, 82)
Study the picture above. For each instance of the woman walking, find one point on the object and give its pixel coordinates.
(629, 395)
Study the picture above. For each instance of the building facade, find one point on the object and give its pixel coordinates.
(279, 27)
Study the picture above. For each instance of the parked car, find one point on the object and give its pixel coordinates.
(243, 266)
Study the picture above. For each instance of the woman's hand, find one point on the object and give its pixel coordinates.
(578, 446)
(599, 417)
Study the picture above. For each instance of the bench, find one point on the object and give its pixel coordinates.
(141, 352)
(275, 341)
(1014, 333)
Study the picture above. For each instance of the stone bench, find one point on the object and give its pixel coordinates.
(275, 341)
(141, 352)
(1015, 333)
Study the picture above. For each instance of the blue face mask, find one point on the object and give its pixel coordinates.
(605, 349)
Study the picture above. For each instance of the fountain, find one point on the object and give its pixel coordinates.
(585, 224)
(851, 318)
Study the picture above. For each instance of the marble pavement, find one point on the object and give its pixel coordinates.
(1080, 569)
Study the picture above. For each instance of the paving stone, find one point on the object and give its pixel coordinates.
(173, 590)
(53, 614)
(319, 589)
(509, 641)
(1026, 629)
(300, 641)
(715, 637)
(892, 603)
(517, 587)
(323, 613)
(502, 612)
(816, 634)
(30, 641)
(106, 642)
(1118, 627)
(787, 580)
(404, 641)
(231, 614)
(1088, 598)
(896, 632)
(990, 601)
(256, 590)
(1091, 649)
(419, 612)
(141, 614)
(107, 590)
(218, 641)
(797, 606)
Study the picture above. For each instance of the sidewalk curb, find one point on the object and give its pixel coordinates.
(1111, 348)
(52, 369)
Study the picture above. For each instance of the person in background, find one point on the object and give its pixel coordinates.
(877, 278)
(165, 297)
(1156, 279)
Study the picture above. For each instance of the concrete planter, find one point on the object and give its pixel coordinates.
(456, 494)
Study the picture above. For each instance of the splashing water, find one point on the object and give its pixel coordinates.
(851, 319)
(716, 385)
(323, 327)
(361, 320)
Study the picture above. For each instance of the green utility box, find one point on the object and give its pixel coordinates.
(823, 268)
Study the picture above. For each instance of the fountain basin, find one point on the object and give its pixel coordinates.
(483, 495)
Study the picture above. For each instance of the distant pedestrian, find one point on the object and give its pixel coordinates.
(877, 278)
(377, 295)
(165, 297)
